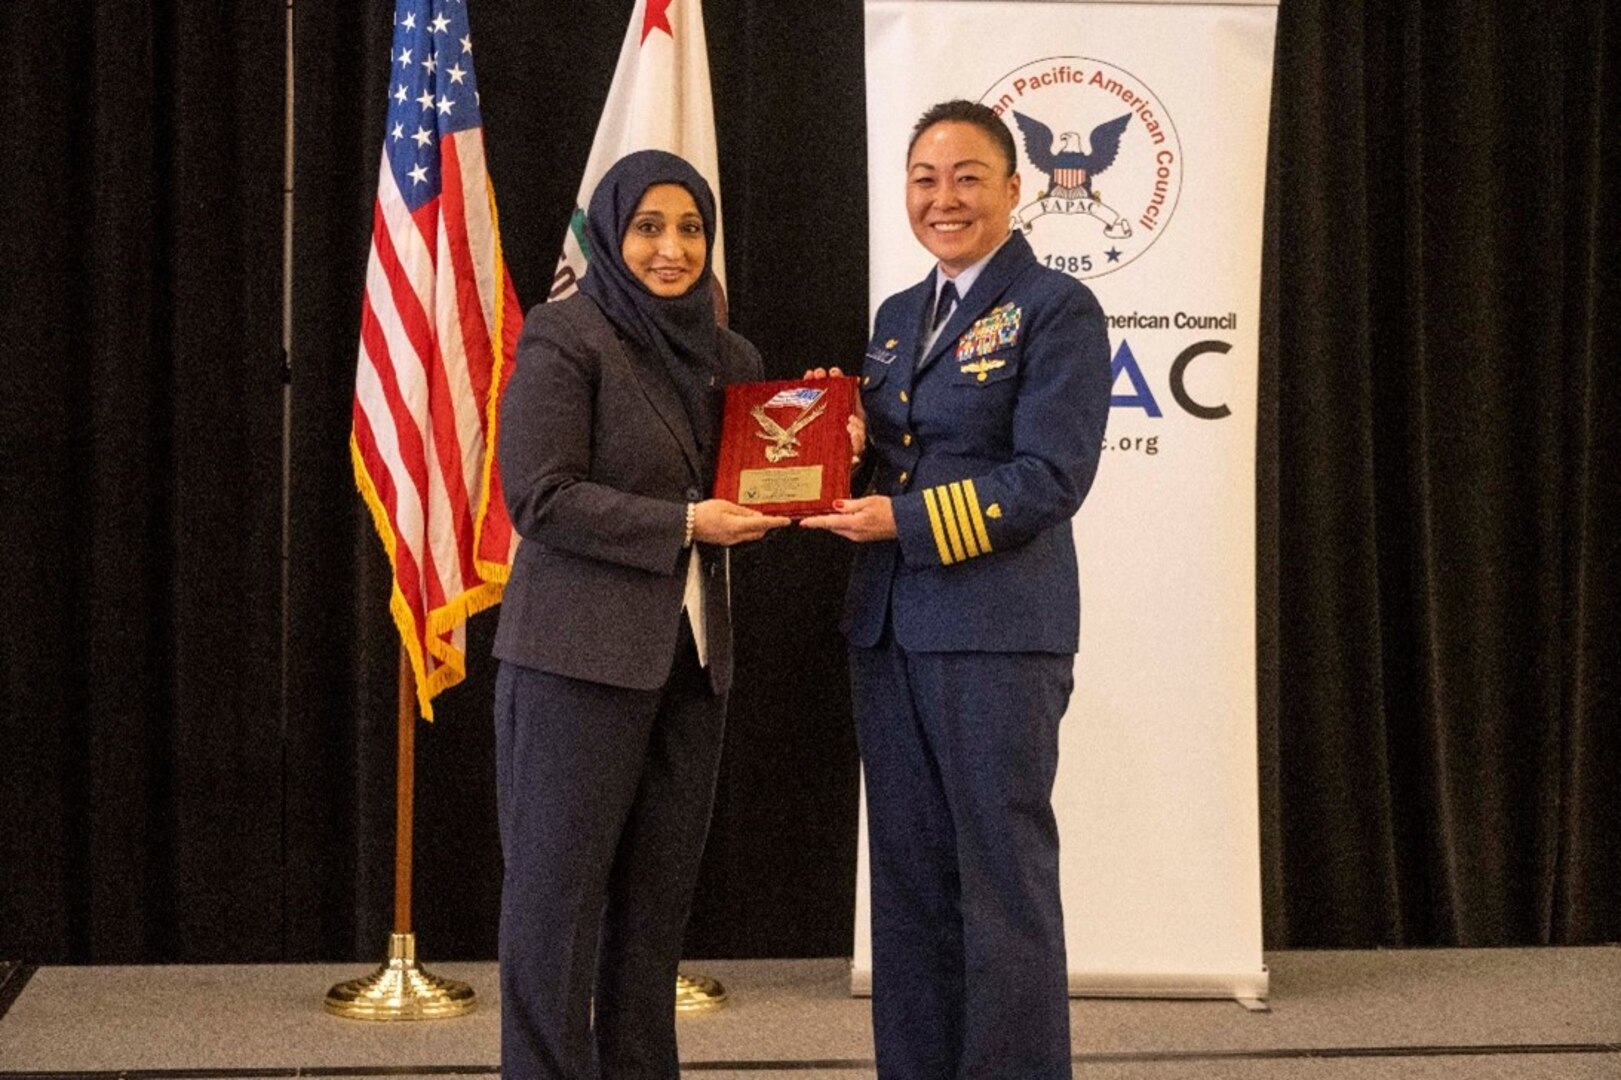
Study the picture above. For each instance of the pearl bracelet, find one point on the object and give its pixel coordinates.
(692, 521)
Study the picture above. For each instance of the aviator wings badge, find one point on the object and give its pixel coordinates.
(981, 368)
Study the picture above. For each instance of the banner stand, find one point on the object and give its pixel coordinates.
(1141, 131)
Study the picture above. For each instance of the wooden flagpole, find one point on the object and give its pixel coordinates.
(404, 795)
(402, 989)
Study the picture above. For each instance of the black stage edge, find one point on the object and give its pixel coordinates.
(820, 1065)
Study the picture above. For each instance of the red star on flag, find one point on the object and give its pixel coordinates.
(656, 19)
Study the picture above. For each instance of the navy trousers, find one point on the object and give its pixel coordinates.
(959, 752)
(604, 801)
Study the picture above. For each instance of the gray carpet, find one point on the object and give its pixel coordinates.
(1481, 1014)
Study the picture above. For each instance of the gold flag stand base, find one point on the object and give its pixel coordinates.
(400, 990)
(698, 993)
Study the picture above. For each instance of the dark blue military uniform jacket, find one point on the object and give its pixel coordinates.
(987, 447)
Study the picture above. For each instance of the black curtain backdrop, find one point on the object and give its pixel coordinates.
(140, 491)
(1443, 473)
(1439, 573)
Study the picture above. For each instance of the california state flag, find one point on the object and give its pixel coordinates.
(659, 101)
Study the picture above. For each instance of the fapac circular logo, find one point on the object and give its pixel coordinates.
(1100, 156)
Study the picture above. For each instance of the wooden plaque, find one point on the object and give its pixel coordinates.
(784, 448)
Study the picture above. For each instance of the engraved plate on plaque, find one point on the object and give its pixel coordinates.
(799, 484)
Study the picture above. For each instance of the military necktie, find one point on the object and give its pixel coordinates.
(943, 306)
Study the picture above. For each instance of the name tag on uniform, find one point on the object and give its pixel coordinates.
(884, 354)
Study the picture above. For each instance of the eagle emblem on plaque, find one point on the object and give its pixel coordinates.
(784, 438)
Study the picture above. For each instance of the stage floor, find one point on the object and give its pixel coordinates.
(1525, 1014)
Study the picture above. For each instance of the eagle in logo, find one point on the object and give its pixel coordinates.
(1070, 169)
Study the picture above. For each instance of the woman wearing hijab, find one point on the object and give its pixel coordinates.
(615, 633)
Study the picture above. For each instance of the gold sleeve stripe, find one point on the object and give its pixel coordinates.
(934, 523)
(944, 495)
(962, 521)
(973, 511)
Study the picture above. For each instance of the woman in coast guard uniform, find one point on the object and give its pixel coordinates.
(615, 633)
(986, 391)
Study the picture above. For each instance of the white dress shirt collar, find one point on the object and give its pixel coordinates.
(963, 282)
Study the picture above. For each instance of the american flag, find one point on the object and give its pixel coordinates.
(438, 303)
(801, 398)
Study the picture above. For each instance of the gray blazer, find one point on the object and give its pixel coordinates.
(598, 464)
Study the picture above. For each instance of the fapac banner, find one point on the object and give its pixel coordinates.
(1142, 143)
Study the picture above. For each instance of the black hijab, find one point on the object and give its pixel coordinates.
(680, 329)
